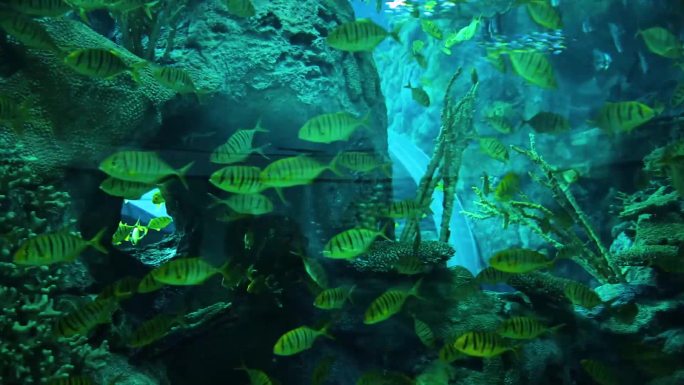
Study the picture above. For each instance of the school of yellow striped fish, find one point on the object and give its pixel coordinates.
(132, 173)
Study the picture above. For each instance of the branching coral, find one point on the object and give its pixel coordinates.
(454, 136)
(546, 223)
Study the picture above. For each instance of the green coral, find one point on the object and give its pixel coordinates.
(455, 133)
(548, 224)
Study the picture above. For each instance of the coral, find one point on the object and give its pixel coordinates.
(29, 205)
(29, 352)
(455, 133)
(548, 224)
(636, 204)
(382, 256)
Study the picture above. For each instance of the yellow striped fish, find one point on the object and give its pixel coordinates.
(431, 28)
(351, 243)
(482, 344)
(544, 14)
(322, 370)
(533, 67)
(328, 128)
(492, 276)
(508, 187)
(61, 246)
(148, 284)
(315, 270)
(407, 209)
(238, 179)
(152, 330)
(677, 97)
(125, 189)
(357, 36)
(249, 204)
(517, 260)
(662, 42)
(524, 328)
(582, 295)
(464, 34)
(187, 271)
(173, 78)
(600, 372)
(99, 62)
(13, 112)
(294, 171)
(238, 147)
(49, 8)
(241, 8)
(27, 31)
(158, 198)
(85, 318)
(448, 353)
(623, 116)
(298, 340)
(141, 166)
(409, 265)
(496, 59)
(548, 123)
(362, 162)
(494, 149)
(159, 223)
(122, 289)
(424, 333)
(500, 124)
(419, 95)
(122, 233)
(72, 380)
(256, 377)
(333, 298)
(388, 304)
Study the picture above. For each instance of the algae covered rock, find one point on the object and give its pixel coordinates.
(76, 120)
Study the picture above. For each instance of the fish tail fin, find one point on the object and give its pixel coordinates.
(260, 150)
(147, 8)
(136, 68)
(349, 294)
(325, 331)
(554, 329)
(387, 169)
(395, 33)
(96, 242)
(225, 269)
(203, 94)
(516, 351)
(382, 231)
(182, 173)
(259, 127)
(333, 166)
(415, 288)
(215, 201)
(365, 120)
(279, 192)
